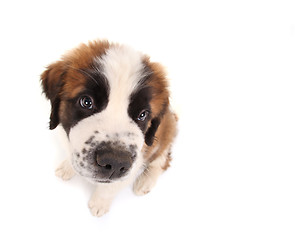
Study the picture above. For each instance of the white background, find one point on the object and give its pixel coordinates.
(232, 71)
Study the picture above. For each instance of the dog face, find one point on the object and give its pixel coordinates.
(109, 99)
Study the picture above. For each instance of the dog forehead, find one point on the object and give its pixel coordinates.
(77, 62)
(119, 66)
(123, 68)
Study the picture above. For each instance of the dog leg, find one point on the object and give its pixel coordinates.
(100, 201)
(147, 180)
(65, 170)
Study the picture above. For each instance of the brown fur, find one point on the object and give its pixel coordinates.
(159, 84)
(163, 140)
(65, 80)
(68, 72)
(160, 108)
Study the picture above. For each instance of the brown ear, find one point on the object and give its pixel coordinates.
(52, 83)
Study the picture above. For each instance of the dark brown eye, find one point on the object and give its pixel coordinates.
(142, 116)
(86, 102)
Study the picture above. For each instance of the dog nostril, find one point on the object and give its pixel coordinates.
(108, 166)
(112, 163)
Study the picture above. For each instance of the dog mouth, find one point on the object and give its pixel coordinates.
(101, 181)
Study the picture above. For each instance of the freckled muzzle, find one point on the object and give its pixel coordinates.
(106, 149)
(104, 161)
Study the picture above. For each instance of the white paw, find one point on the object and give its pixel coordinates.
(65, 171)
(99, 207)
(144, 184)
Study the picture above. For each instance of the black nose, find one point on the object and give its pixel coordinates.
(113, 164)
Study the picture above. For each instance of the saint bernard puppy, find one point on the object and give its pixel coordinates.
(113, 104)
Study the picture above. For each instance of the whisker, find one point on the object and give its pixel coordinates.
(145, 173)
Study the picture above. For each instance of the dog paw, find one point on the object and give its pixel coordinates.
(65, 171)
(143, 184)
(99, 207)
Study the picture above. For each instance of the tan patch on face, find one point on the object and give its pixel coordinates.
(82, 56)
(74, 83)
(77, 62)
(67, 77)
(159, 84)
(62, 111)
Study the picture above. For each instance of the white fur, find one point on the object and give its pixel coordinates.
(123, 69)
(65, 170)
(103, 196)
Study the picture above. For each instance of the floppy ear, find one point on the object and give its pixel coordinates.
(150, 134)
(52, 84)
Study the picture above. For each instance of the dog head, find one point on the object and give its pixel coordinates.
(109, 99)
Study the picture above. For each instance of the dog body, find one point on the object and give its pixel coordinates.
(113, 103)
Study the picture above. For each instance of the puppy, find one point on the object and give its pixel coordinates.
(113, 104)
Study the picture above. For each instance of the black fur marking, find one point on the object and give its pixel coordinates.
(90, 140)
(98, 89)
(150, 134)
(141, 97)
(130, 134)
(139, 101)
(132, 149)
(54, 119)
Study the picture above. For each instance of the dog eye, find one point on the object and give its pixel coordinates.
(86, 102)
(143, 115)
